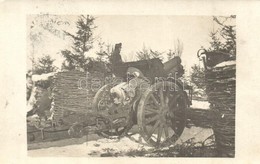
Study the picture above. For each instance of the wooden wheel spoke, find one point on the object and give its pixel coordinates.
(160, 130)
(150, 120)
(154, 128)
(160, 115)
(103, 105)
(166, 131)
(151, 111)
(161, 96)
(167, 96)
(155, 101)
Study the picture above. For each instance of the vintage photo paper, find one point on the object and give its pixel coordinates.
(123, 79)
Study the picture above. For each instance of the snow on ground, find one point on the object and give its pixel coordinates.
(94, 145)
(103, 145)
(200, 104)
(42, 77)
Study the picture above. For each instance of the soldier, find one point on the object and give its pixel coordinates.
(116, 57)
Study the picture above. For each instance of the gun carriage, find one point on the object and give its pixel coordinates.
(149, 95)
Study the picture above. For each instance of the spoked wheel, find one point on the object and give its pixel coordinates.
(103, 103)
(162, 114)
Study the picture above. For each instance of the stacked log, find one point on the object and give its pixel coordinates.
(221, 91)
(75, 90)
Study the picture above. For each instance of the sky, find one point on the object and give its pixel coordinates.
(156, 32)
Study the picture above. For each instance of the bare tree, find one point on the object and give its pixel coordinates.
(147, 53)
(177, 51)
(105, 51)
(178, 48)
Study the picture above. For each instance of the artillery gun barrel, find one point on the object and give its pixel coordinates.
(172, 63)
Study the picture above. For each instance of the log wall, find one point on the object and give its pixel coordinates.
(221, 91)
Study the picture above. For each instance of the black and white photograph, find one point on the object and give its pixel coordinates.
(129, 81)
(130, 85)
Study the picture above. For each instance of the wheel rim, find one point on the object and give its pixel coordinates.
(161, 114)
(101, 104)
